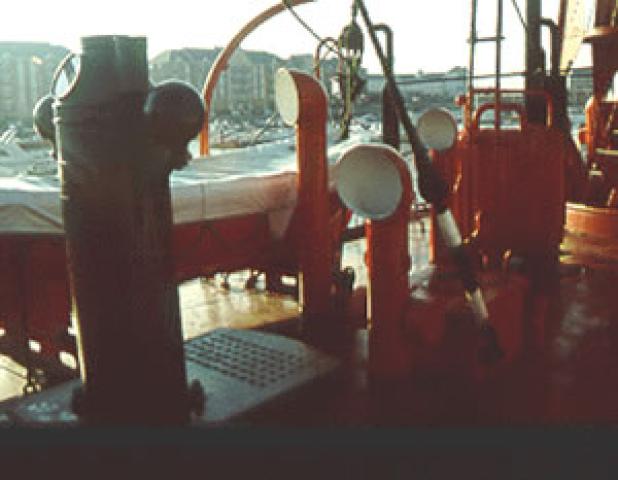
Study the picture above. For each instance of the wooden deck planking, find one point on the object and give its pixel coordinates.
(205, 304)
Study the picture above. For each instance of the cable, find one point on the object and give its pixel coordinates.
(351, 64)
(304, 24)
(521, 17)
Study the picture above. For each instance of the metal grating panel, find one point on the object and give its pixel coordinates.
(249, 360)
(243, 370)
(240, 370)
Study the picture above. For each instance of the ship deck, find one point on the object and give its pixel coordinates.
(518, 420)
(572, 381)
(210, 303)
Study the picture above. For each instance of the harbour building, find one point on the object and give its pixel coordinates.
(26, 70)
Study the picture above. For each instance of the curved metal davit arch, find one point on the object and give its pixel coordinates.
(222, 61)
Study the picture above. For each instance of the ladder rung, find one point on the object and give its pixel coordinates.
(488, 39)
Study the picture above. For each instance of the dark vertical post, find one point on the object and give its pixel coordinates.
(117, 217)
(555, 83)
(471, 67)
(499, 15)
(535, 64)
(390, 123)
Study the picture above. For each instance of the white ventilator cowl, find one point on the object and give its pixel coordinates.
(286, 96)
(437, 129)
(368, 182)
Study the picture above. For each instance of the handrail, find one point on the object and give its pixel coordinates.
(498, 107)
(221, 62)
(504, 107)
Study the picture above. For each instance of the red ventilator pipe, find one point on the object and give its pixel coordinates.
(374, 181)
(302, 101)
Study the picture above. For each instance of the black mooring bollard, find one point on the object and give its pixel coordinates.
(115, 166)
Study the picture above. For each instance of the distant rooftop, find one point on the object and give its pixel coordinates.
(209, 54)
(28, 48)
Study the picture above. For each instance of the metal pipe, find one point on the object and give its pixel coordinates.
(388, 263)
(302, 102)
(379, 168)
(554, 33)
(533, 42)
(390, 124)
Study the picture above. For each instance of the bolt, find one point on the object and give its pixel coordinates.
(197, 398)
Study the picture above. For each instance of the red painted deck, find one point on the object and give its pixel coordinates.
(570, 380)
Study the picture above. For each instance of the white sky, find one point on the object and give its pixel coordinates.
(429, 34)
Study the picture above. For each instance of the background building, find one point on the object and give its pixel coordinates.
(580, 86)
(188, 64)
(26, 71)
(246, 85)
(443, 85)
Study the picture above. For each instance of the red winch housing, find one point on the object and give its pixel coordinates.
(508, 187)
